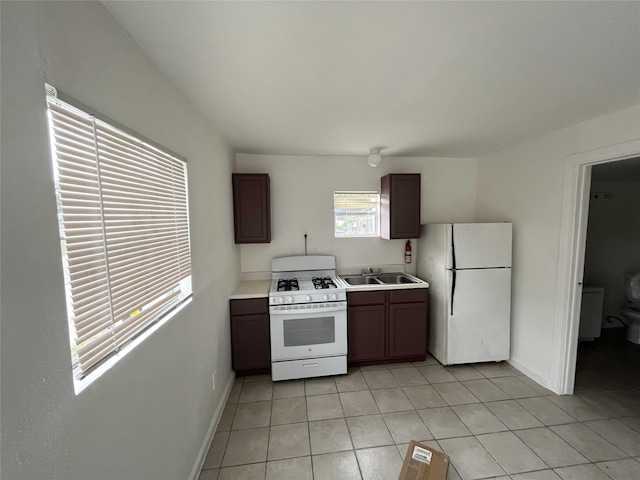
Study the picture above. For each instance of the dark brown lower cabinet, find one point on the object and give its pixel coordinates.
(407, 329)
(365, 330)
(387, 325)
(250, 336)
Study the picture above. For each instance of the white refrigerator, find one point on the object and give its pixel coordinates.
(468, 267)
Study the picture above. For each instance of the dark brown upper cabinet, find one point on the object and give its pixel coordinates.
(400, 206)
(251, 207)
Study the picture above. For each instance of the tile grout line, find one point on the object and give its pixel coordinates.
(538, 394)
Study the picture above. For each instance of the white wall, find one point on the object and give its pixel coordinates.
(148, 416)
(524, 185)
(302, 190)
(613, 241)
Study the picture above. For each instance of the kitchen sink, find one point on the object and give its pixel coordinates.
(380, 279)
(395, 278)
(361, 280)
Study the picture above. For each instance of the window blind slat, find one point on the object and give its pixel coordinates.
(143, 280)
(93, 321)
(139, 261)
(122, 235)
(90, 331)
(129, 183)
(144, 198)
(126, 330)
(75, 142)
(121, 260)
(82, 266)
(97, 352)
(69, 161)
(116, 160)
(161, 252)
(129, 301)
(109, 137)
(94, 274)
(91, 324)
(131, 297)
(89, 294)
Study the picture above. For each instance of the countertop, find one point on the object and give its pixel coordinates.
(260, 288)
(387, 286)
(251, 289)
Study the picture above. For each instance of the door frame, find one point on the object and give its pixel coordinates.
(571, 253)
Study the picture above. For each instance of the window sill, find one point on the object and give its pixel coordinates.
(80, 384)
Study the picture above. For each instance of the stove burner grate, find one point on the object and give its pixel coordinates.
(323, 282)
(288, 284)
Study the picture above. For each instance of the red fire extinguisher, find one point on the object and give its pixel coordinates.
(407, 252)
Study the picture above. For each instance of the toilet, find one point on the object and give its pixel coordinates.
(631, 312)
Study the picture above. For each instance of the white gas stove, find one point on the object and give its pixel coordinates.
(308, 310)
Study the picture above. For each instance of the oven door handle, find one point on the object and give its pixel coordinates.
(305, 309)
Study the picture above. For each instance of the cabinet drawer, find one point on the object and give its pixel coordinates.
(408, 296)
(366, 298)
(249, 306)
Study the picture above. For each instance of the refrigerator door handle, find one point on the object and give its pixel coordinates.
(453, 252)
(453, 288)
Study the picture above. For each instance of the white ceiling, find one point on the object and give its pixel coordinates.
(416, 78)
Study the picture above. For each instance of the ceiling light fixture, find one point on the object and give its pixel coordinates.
(374, 157)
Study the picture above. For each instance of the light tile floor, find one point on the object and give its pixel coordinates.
(490, 419)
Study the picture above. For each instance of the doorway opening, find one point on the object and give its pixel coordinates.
(605, 359)
(577, 188)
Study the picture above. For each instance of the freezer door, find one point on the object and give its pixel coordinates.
(479, 245)
(479, 322)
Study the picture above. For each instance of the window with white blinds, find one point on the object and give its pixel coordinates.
(124, 230)
(356, 214)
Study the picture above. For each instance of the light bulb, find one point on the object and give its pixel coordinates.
(375, 159)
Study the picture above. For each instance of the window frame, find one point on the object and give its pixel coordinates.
(150, 198)
(375, 215)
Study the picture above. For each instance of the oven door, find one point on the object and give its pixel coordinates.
(308, 331)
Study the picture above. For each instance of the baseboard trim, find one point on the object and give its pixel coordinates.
(208, 438)
(533, 376)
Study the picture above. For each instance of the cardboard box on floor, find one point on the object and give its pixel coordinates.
(424, 463)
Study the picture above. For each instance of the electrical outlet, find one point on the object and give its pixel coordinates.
(213, 380)
(601, 196)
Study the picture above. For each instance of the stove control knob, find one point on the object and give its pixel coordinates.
(325, 297)
(290, 299)
(334, 296)
(280, 300)
(308, 297)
